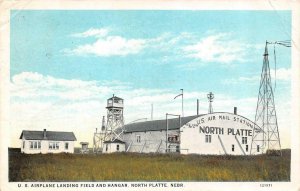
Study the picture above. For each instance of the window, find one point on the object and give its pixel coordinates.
(118, 147)
(257, 148)
(244, 140)
(34, 144)
(53, 145)
(106, 148)
(246, 148)
(208, 138)
(50, 145)
(138, 138)
(23, 144)
(232, 148)
(177, 149)
(66, 146)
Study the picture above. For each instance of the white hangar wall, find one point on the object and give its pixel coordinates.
(147, 141)
(217, 133)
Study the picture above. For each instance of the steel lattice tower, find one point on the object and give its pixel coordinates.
(115, 119)
(114, 127)
(265, 137)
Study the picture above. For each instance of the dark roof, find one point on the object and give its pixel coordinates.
(157, 125)
(114, 141)
(50, 135)
(116, 98)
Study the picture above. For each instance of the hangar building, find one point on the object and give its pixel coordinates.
(216, 133)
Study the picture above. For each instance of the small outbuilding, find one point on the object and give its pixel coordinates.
(33, 142)
(113, 146)
(84, 147)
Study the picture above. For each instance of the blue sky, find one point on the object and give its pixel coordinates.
(144, 57)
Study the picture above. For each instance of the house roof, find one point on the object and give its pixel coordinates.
(114, 141)
(157, 125)
(50, 135)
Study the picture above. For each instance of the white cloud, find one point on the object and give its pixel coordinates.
(92, 32)
(216, 48)
(110, 46)
(283, 74)
(107, 45)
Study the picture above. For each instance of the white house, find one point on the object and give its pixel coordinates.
(33, 142)
(113, 146)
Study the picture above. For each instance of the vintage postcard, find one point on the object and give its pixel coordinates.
(132, 95)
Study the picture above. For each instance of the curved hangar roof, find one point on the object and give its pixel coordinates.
(157, 125)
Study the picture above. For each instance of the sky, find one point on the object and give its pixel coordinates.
(64, 65)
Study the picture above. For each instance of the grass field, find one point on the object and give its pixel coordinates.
(155, 167)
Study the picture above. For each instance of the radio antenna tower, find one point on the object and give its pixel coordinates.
(265, 137)
(210, 98)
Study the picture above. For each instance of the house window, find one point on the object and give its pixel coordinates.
(246, 148)
(34, 144)
(106, 148)
(232, 148)
(138, 138)
(50, 145)
(257, 148)
(118, 147)
(244, 140)
(23, 144)
(66, 146)
(53, 145)
(208, 138)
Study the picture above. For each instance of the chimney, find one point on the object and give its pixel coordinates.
(45, 134)
(197, 106)
(235, 110)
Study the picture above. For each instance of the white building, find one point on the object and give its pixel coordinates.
(113, 146)
(215, 133)
(33, 142)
